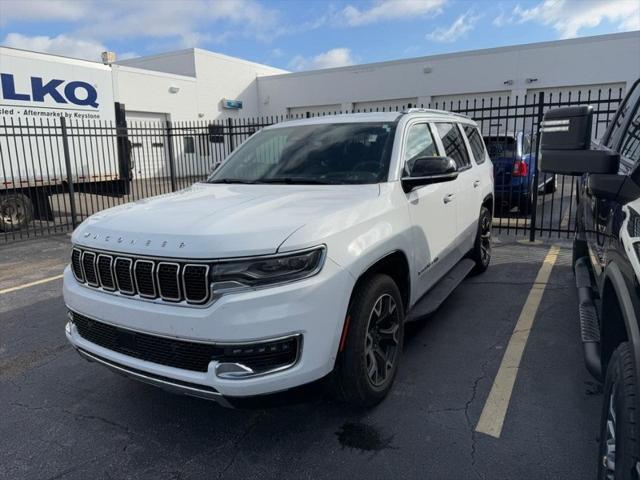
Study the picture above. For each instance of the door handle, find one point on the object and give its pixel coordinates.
(448, 198)
(476, 183)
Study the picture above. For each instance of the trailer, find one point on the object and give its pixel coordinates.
(60, 132)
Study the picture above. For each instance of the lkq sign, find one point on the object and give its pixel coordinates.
(38, 86)
(75, 92)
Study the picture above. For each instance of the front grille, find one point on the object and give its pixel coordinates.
(143, 277)
(260, 357)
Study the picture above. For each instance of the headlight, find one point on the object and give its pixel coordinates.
(268, 270)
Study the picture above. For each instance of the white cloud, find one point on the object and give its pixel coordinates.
(459, 28)
(336, 57)
(27, 10)
(60, 45)
(568, 17)
(384, 10)
(192, 22)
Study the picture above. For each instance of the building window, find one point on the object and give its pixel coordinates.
(189, 145)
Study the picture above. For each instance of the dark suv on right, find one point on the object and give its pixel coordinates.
(606, 259)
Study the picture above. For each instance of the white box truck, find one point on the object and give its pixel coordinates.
(60, 131)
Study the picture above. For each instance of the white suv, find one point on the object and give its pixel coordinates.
(301, 257)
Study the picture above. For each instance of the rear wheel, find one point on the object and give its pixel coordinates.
(619, 452)
(551, 186)
(481, 253)
(368, 362)
(526, 205)
(16, 211)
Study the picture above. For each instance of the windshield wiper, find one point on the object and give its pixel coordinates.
(232, 180)
(296, 180)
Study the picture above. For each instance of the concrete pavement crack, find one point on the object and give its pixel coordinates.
(474, 392)
(239, 441)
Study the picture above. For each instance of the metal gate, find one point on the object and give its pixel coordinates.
(59, 172)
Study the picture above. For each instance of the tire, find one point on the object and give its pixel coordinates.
(353, 379)
(526, 205)
(552, 186)
(16, 211)
(619, 423)
(481, 253)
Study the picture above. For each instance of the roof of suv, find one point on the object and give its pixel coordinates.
(368, 117)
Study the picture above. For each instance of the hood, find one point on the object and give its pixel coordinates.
(216, 221)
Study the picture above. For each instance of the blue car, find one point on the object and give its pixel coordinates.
(514, 163)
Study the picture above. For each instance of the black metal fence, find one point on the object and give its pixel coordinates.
(55, 172)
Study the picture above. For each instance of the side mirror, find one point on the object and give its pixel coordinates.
(619, 188)
(428, 170)
(566, 144)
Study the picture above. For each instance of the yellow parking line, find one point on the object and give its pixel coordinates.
(497, 403)
(32, 284)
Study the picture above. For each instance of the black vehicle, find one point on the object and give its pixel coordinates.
(606, 256)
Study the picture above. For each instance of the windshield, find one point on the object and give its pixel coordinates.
(339, 153)
(501, 147)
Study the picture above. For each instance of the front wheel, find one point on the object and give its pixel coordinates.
(619, 449)
(368, 361)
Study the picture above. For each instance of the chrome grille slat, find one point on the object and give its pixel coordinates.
(168, 278)
(76, 264)
(124, 278)
(105, 272)
(195, 285)
(144, 278)
(148, 278)
(89, 268)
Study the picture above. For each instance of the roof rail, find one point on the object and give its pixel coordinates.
(433, 110)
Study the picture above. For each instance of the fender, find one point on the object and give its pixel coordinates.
(629, 306)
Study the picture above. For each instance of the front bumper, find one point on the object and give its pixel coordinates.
(313, 308)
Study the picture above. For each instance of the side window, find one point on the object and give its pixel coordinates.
(419, 144)
(477, 145)
(453, 144)
(619, 120)
(630, 146)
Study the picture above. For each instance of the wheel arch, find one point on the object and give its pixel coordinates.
(488, 201)
(622, 321)
(396, 265)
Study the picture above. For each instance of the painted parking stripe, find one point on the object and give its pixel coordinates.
(32, 284)
(497, 403)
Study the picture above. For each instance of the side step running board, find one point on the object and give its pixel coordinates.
(589, 324)
(431, 300)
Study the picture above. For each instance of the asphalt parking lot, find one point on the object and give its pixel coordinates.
(62, 417)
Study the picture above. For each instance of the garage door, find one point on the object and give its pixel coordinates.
(391, 105)
(314, 110)
(149, 149)
(466, 101)
(582, 93)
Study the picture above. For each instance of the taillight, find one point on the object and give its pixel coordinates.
(520, 169)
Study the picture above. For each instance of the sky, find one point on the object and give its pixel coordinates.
(302, 35)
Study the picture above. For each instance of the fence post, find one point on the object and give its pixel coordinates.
(230, 127)
(534, 200)
(172, 157)
(67, 163)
